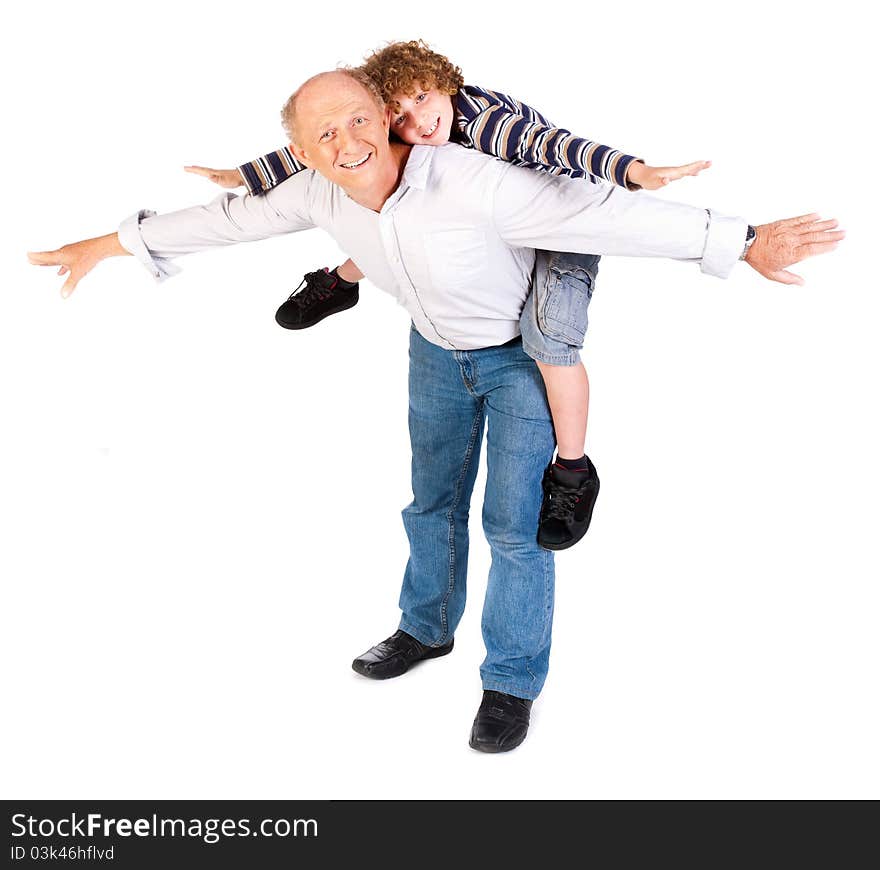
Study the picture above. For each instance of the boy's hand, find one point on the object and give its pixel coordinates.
(655, 177)
(228, 178)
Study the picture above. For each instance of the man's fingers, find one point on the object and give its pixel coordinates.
(821, 225)
(200, 170)
(44, 258)
(801, 219)
(63, 270)
(812, 237)
(814, 249)
(784, 277)
(69, 285)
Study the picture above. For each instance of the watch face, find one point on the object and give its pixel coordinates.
(750, 233)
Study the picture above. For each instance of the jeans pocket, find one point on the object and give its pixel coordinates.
(564, 294)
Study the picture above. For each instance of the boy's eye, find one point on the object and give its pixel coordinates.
(420, 97)
(399, 120)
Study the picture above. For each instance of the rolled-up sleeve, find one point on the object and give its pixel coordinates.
(564, 214)
(130, 238)
(155, 240)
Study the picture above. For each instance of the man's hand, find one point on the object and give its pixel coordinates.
(655, 177)
(783, 243)
(228, 178)
(78, 259)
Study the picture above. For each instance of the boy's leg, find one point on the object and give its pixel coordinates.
(553, 324)
(568, 394)
(322, 293)
(349, 272)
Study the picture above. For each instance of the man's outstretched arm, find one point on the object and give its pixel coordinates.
(561, 214)
(156, 239)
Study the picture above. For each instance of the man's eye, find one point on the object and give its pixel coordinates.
(326, 135)
(360, 121)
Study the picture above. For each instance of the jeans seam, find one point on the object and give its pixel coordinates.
(548, 572)
(450, 516)
(462, 357)
(547, 557)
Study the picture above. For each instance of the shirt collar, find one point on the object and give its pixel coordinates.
(418, 166)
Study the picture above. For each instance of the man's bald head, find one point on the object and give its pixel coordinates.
(339, 128)
(321, 84)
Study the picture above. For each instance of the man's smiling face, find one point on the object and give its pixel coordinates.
(342, 132)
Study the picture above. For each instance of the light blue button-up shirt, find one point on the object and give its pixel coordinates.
(454, 244)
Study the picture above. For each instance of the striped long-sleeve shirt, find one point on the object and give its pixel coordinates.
(495, 124)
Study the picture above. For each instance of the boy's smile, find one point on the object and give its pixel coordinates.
(422, 118)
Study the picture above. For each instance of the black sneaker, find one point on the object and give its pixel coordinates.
(318, 296)
(569, 497)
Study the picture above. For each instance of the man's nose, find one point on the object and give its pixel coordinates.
(346, 140)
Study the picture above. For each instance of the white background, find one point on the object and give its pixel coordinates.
(200, 511)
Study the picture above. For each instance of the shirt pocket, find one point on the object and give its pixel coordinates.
(457, 259)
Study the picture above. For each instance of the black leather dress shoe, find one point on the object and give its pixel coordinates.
(502, 722)
(395, 655)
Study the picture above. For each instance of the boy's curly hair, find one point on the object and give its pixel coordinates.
(406, 67)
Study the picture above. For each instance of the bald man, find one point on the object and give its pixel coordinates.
(451, 233)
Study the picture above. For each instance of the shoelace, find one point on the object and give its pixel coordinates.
(562, 501)
(310, 290)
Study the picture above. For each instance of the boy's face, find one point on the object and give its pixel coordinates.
(424, 118)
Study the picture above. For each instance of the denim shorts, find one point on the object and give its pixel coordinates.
(554, 319)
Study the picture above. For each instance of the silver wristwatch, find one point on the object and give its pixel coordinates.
(751, 233)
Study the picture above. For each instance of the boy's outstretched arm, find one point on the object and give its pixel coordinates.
(504, 127)
(654, 177)
(227, 178)
(259, 175)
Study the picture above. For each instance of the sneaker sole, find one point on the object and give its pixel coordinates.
(566, 544)
(325, 315)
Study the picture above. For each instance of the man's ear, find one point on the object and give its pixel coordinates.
(387, 118)
(300, 155)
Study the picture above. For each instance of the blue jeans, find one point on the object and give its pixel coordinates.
(554, 318)
(451, 395)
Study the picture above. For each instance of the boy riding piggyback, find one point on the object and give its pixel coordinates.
(429, 104)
